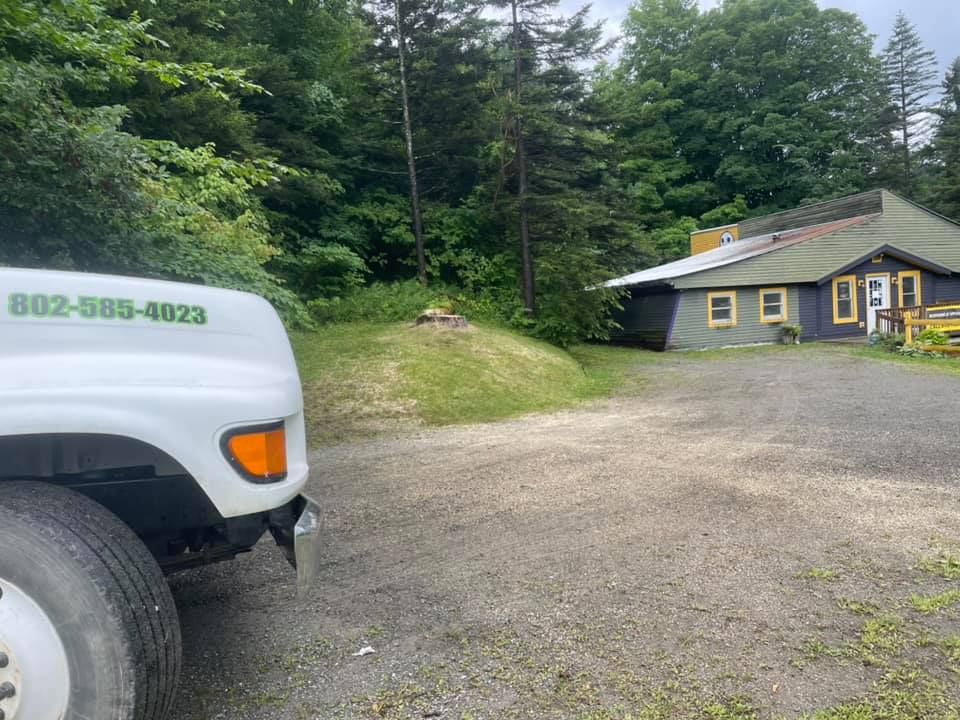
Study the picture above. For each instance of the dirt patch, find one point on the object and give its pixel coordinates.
(746, 539)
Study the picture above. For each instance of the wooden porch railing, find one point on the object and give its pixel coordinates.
(895, 320)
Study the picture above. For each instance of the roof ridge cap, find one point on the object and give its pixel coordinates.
(818, 204)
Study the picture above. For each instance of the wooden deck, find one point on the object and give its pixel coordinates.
(897, 320)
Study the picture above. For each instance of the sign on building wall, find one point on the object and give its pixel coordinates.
(945, 312)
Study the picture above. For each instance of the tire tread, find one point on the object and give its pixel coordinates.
(148, 613)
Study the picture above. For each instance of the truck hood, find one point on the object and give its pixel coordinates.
(63, 330)
(172, 365)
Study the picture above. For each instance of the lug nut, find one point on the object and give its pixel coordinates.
(4, 661)
(7, 690)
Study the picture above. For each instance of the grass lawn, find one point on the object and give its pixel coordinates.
(949, 365)
(370, 379)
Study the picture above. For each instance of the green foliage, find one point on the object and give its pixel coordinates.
(792, 331)
(944, 191)
(819, 574)
(80, 193)
(90, 49)
(891, 342)
(727, 214)
(909, 73)
(132, 142)
(378, 303)
(932, 336)
(934, 603)
(727, 115)
(568, 312)
(945, 564)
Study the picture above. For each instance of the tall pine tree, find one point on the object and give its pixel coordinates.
(567, 212)
(909, 70)
(945, 195)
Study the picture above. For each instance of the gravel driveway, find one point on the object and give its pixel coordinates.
(740, 538)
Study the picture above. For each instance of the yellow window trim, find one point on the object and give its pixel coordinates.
(732, 294)
(915, 274)
(837, 320)
(774, 318)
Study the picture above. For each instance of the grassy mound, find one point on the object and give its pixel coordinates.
(362, 380)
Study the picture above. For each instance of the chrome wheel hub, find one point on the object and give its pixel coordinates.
(34, 674)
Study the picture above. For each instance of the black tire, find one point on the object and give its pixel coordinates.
(104, 592)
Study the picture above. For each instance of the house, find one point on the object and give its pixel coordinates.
(827, 267)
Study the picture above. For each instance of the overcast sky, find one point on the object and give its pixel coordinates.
(937, 21)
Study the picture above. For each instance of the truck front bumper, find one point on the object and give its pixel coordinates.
(296, 528)
(307, 545)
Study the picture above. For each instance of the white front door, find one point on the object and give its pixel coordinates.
(878, 298)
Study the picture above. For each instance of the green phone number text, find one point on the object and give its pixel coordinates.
(102, 308)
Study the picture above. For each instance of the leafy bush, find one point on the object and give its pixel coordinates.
(380, 302)
(567, 311)
(913, 351)
(890, 342)
(493, 306)
(80, 193)
(932, 336)
(792, 331)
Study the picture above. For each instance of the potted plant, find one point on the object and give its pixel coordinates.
(791, 334)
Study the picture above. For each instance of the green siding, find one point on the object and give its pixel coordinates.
(902, 224)
(692, 331)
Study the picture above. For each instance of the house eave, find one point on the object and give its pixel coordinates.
(888, 249)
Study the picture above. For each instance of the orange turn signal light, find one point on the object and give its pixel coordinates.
(259, 453)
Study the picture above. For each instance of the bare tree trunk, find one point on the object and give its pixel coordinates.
(526, 259)
(411, 158)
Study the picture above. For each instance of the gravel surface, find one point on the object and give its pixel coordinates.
(742, 536)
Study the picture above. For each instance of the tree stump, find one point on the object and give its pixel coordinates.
(440, 319)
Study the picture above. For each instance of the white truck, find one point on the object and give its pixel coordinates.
(145, 427)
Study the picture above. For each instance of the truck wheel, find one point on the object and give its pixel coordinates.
(88, 628)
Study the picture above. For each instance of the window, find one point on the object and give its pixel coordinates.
(845, 300)
(722, 309)
(773, 305)
(909, 282)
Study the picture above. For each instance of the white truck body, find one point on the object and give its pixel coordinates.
(146, 427)
(177, 386)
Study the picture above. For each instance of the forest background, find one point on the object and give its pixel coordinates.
(360, 161)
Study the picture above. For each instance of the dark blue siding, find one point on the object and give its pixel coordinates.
(946, 288)
(646, 318)
(930, 286)
(826, 330)
(807, 295)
